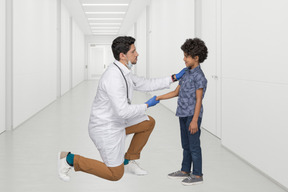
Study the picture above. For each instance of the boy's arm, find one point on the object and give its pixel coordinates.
(169, 95)
(193, 128)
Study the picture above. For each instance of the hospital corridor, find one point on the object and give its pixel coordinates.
(58, 59)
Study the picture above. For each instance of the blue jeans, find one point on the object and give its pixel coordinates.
(191, 147)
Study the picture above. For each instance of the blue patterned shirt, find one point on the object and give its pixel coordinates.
(191, 81)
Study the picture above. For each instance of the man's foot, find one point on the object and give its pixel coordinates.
(134, 168)
(63, 166)
(178, 175)
(192, 180)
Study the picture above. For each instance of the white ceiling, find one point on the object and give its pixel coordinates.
(105, 17)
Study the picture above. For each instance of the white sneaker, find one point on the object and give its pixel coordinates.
(134, 168)
(63, 166)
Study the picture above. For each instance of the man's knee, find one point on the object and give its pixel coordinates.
(151, 122)
(117, 172)
(118, 176)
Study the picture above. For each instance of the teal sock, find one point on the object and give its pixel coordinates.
(70, 159)
(126, 161)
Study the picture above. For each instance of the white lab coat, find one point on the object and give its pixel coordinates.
(111, 113)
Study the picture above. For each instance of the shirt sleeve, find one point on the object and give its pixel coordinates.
(201, 82)
(143, 84)
(180, 82)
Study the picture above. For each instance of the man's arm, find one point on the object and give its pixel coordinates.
(143, 84)
(153, 84)
(193, 127)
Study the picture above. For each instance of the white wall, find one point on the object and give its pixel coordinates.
(34, 57)
(255, 83)
(65, 50)
(78, 55)
(141, 44)
(2, 65)
(171, 23)
(209, 20)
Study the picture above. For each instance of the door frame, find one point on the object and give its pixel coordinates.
(88, 56)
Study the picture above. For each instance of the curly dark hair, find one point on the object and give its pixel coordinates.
(195, 47)
(121, 44)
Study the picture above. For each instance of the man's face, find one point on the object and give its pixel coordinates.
(132, 54)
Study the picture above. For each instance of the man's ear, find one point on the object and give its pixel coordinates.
(196, 58)
(122, 56)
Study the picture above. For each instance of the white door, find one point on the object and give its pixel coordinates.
(210, 33)
(96, 64)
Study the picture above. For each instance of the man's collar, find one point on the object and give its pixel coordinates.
(124, 69)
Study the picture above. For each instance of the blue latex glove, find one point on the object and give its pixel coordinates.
(151, 102)
(181, 73)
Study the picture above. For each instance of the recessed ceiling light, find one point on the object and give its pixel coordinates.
(104, 31)
(91, 13)
(105, 27)
(105, 24)
(87, 4)
(105, 19)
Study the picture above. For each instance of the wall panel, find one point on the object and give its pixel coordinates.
(2, 65)
(255, 83)
(34, 57)
(78, 56)
(65, 50)
(171, 23)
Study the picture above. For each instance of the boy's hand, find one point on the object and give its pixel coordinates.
(151, 102)
(193, 127)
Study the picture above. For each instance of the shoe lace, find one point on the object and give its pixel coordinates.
(66, 170)
(191, 177)
(176, 172)
(137, 164)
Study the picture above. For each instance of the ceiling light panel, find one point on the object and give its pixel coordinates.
(105, 16)
(92, 27)
(105, 19)
(104, 24)
(104, 9)
(105, 13)
(105, 1)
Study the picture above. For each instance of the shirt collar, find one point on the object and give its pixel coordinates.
(124, 69)
(195, 69)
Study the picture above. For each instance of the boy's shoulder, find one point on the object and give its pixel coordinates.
(199, 75)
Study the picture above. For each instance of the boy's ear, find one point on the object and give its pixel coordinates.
(196, 58)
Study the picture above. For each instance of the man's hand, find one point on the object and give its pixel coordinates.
(193, 127)
(181, 73)
(151, 102)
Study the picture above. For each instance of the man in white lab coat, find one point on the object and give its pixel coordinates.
(113, 117)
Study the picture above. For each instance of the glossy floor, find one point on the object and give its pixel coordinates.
(28, 154)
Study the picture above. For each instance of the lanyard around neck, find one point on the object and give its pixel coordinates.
(129, 102)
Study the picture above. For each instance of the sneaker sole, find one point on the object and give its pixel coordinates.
(194, 183)
(171, 177)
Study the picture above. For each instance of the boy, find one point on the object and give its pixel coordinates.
(190, 92)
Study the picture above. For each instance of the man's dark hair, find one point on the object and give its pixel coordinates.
(195, 47)
(121, 44)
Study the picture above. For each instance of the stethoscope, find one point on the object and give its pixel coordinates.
(129, 102)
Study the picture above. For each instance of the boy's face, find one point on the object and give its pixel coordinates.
(189, 61)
